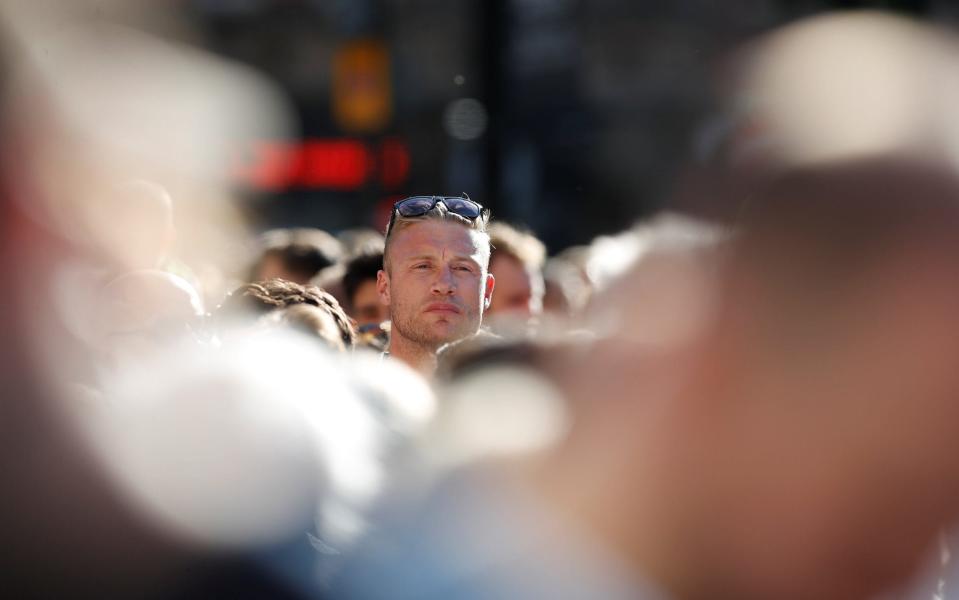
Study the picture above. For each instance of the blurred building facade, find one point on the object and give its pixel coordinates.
(573, 117)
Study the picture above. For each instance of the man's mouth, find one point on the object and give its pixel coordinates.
(443, 307)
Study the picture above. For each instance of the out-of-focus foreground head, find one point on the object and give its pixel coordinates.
(826, 385)
(797, 425)
(805, 404)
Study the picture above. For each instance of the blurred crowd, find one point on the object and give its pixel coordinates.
(751, 395)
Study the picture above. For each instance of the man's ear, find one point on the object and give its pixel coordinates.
(488, 292)
(383, 287)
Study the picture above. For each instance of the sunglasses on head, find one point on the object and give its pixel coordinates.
(417, 206)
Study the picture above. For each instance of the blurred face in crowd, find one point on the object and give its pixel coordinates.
(518, 291)
(436, 282)
(367, 308)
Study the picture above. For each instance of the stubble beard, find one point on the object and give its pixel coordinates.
(420, 333)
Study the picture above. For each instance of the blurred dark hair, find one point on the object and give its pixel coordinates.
(303, 251)
(359, 269)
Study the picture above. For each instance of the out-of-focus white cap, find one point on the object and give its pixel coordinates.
(851, 85)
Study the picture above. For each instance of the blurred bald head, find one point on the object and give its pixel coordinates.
(831, 362)
(802, 441)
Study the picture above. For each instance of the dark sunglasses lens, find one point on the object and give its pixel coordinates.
(463, 207)
(414, 207)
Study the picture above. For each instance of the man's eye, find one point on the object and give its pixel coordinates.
(421, 266)
(463, 268)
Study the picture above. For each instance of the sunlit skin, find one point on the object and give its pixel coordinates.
(518, 293)
(436, 286)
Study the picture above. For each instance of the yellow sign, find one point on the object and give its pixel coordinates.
(362, 94)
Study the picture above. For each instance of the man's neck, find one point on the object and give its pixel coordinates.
(418, 357)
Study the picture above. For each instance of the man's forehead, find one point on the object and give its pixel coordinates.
(435, 237)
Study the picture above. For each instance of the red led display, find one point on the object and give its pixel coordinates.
(332, 164)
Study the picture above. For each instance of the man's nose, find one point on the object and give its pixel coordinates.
(444, 284)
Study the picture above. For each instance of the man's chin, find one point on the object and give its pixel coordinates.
(436, 334)
(445, 333)
(440, 338)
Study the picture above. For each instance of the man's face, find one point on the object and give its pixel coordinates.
(437, 285)
(367, 308)
(518, 291)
